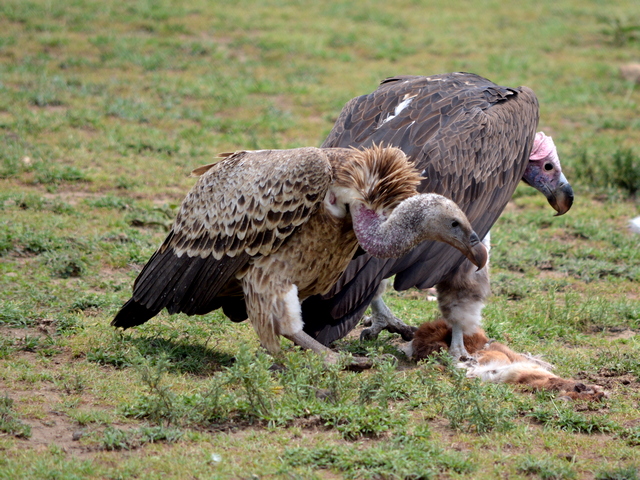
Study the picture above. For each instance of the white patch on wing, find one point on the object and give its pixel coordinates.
(401, 106)
(292, 323)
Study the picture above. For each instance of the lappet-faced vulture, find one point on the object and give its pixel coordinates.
(473, 141)
(262, 230)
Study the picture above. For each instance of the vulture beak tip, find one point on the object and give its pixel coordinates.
(562, 199)
(478, 254)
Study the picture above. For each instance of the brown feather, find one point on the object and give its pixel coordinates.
(383, 177)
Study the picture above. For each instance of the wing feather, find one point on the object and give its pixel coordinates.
(470, 138)
(247, 204)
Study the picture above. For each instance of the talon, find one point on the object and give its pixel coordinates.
(368, 334)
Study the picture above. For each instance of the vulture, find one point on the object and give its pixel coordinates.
(472, 141)
(262, 230)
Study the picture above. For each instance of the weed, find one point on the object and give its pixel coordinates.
(469, 405)
(621, 32)
(67, 264)
(623, 473)
(9, 423)
(565, 418)
(621, 170)
(15, 314)
(356, 420)
(110, 201)
(49, 174)
(116, 355)
(411, 458)
(251, 372)
(545, 468)
(117, 439)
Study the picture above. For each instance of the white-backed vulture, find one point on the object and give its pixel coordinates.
(473, 141)
(262, 230)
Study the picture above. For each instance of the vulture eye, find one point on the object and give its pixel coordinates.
(454, 224)
(548, 166)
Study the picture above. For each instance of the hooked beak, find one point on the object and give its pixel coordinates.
(561, 198)
(477, 252)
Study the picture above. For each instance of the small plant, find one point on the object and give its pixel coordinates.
(67, 264)
(52, 175)
(401, 458)
(9, 422)
(621, 32)
(15, 314)
(468, 404)
(356, 420)
(251, 373)
(565, 418)
(546, 469)
(621, 170)
(623, 473)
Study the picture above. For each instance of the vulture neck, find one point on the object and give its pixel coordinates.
(411, 222)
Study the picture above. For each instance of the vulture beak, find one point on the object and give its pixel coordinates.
(561, 198)
(477, 253)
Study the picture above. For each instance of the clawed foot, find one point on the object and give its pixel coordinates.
(354, 364)
(390, 323)
(330, 357)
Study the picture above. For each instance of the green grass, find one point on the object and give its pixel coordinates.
(105, 108)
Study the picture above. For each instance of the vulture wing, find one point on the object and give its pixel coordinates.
(471, 140)
(244, 206)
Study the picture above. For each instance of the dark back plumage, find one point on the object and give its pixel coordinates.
(469, 138)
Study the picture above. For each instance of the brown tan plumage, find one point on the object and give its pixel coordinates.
(261, 230)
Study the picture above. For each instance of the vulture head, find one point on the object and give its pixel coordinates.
(545, 174)
(422, 217)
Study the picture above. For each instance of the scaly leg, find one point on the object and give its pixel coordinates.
(461, 299)
(382, 318)
(305, 341)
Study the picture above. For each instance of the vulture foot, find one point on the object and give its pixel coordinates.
(381, 318)
(330, 357)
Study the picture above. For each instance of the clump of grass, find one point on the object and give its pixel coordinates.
(565, 418)
(48, 174)
(15, 314)
(9, 422)
(419, 459)
(468, 404)
(621, 32)
(110, 201)
(623, 473)
(545, 468)
(118, 439)
(67, 264)
(620, 170)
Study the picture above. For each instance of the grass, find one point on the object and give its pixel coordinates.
(105, 108)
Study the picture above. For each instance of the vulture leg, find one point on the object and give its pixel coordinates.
(306, 341)
(382, 318)
(274, 310)
(461, 297)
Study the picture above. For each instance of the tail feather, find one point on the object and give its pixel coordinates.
(133, 314)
